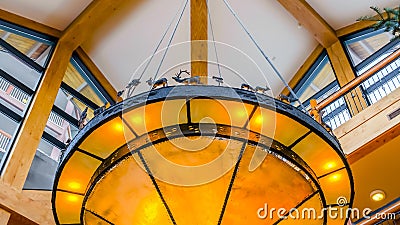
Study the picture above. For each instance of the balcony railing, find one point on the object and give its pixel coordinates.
(365, 90)
(4, 141)
(20, 95)
(13, 91)
(4, 84)
(56, 119)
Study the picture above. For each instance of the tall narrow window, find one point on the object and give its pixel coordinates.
(79, 92)
(316, 81)
(23, 57)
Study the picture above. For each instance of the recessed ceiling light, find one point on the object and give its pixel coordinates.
(377, 195)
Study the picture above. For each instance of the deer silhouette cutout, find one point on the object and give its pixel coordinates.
(247, 87)
(258, 89)
(188, 80)
(262, 90)
(160, 82)
(131, 87)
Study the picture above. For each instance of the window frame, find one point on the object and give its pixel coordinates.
(358, 35)
(27, 33)
(307, 78)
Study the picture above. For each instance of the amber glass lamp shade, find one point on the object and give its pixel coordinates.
(201, 155)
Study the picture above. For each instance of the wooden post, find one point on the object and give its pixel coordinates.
(344, 73)
(199, 37)
(4, 216)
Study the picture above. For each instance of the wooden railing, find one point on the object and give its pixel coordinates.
(357, 81)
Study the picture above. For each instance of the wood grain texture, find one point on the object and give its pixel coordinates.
(374, 144)
(17, 203)
(370, 125)
(29, 137)
(311, 20)
(4, 216)
(199, 37)
(28, 23)
(345, 74)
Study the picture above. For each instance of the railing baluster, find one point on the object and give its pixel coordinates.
(374, 84)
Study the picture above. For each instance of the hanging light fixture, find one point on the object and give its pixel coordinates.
(198, 154)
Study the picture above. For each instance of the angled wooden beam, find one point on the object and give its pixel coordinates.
(29, 137)
(345, 74)
(94, 15)
(28, 23)
(340, 63)
(311, 20)
(97, 74)
(199, 37)
(16, 202)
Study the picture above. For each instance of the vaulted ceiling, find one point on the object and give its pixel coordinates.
(126, 39)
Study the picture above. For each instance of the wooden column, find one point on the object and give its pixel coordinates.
(33, 126)
(344, 73)
(199, 37)
(4, 216)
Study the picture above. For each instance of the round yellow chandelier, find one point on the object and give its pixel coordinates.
(197, 154)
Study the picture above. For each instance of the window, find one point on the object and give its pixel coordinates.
(79, 91)
(366, 49)
(319, 82)
(383, 82)
(23, 58)
(316, 81)
(8, 128)
(34, 46)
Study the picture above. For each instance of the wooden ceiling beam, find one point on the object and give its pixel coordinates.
(199, 37)
(91, 18)
(28, 23)
(311, 20)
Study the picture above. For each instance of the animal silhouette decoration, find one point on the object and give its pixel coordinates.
(262, 90)
(160, 82)
(188, 80)
(131, 87)
(258, 89)
(246, 87)
(219, 80)
(286, 99)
